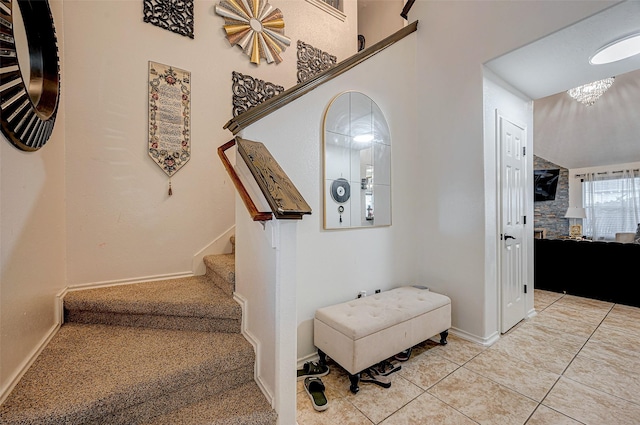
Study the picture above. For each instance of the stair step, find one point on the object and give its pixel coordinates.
(243, 405)
(175, 356)
(221, 270)
(113, 374)
(192, 303)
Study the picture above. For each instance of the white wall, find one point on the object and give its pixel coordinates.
(454, 40)
(333, 265)
(502, 99)
(122, 225)
(378, 19)
(32, 243)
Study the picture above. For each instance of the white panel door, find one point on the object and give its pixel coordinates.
(513, 256)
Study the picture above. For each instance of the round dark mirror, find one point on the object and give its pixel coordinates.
(29, 73)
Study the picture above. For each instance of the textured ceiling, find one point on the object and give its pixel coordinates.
(566, 132)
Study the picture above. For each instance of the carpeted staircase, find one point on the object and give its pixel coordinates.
(165, 352)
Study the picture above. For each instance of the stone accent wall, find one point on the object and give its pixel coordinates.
(549, 215)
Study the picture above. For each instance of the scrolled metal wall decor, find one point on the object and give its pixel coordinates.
(28, 109)
(312, 61)
(171, 15)
(249, 92)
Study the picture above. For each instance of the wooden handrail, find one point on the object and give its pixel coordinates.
(407, 7)
(253, 114)
(244, 195)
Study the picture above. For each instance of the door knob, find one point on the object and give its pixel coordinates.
(508, 237)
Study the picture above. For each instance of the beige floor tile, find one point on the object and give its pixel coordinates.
(543, 299)
(427, 369)
(612, 354)
(624, 317)
(483, 400)
(340, 412)
(377, 403)
(541, 355)
(515, 374)
(565, 321)
(617, 381)
(627, 311)
(616, 336)
(539, 334)
(569, 312)
(427, 409)
(571, 301)
(589, 406)
(467, 383)
(545, 416)
(458, 350)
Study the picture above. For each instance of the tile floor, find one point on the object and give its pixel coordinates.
(576, 362)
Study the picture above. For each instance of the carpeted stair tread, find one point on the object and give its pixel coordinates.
(241, 406)
(221, 270)
(88, 371)
(222, 264)
(189, 297)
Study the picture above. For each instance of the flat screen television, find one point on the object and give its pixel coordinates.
(545, 184)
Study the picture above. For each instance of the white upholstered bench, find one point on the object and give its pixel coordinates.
(361, 333)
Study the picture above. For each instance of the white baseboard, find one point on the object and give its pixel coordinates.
(487, 341)
(313, 357)
(256, 348)
(221, 245)
(59, 308)
(26, 364)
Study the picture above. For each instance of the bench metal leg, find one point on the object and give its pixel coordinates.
(323, 357)
(355, 379)
(443, 337)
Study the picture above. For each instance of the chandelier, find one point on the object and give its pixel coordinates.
(589, 93)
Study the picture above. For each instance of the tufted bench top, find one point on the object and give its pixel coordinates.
(364, 316)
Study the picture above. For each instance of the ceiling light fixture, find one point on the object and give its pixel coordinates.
(589, 93)
(617, 50)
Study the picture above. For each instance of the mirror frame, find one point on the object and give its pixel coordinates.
(340, 186)
(28, 114)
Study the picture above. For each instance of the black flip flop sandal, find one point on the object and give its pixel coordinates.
(404, 355)
(372, 376)
(315, 389)
(312, 369)
(386, 368)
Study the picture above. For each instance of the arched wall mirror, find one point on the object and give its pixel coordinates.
(357, 163)
(29, 72)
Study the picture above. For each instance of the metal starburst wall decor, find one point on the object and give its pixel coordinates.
(255, 26)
